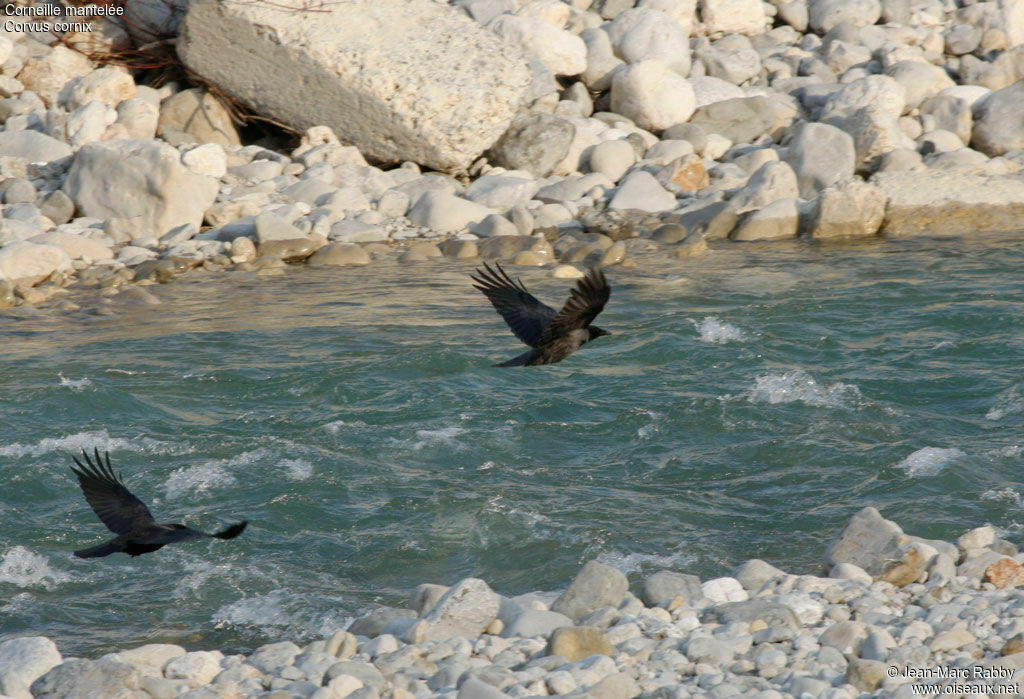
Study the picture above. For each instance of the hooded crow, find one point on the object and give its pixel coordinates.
(127, 516)
(552, 335)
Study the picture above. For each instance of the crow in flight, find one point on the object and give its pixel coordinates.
(553, 336)
(127, 516)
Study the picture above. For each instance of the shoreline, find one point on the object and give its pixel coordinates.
(928, 613)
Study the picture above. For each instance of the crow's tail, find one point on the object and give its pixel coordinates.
(231, 532)
(101, 550)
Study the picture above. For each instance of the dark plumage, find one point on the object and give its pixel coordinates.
(552, 335)
(127, 516)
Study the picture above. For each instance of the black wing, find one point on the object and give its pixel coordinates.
(121, 511)
(585, 302)
(525, 315)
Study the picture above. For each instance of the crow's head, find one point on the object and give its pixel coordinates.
(596, 332)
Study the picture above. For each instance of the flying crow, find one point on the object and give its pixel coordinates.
(127, 516)
(553, 336)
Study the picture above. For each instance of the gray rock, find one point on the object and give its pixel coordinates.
(24, 660)
(465, 610)
(868, 541)
(473, 688)
(58, 207)
(640, 190)
(665, 585)
(29, 263)
(535, 143)
(950, 114)
(771, 613)
(363, 671)
(844, 636)
(372, 624)
(693, 133)
(920, 80)
(732, 59)
(778, 220)
(198, 666)
(773, 181)
(33, 146)
(821, 156)
(506, 246)
(851, 210)
(596, 585)
(89, 678)
(535, 622)
(961, 39)
(712, 221)
(493, 225)
(19, 191)
(644, 33)
(501, 192)
(268, 226)
(389, 118)
(612, 159)
(753, 574)
(446, 213)
(998, 121)
(425, 596)
(741, 120)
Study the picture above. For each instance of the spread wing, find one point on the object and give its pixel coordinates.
(525, 315)
(121, 511)
(585, 302)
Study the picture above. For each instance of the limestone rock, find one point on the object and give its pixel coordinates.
(865, 675)
(536, 622)
(198, 666)
(391, 93)
(639, 190)
(109, 85)
(652, 95)
(851, 210)
(596, 585)
(30, 263)
(778, 220)
(33, 146)
(48, 74)
(138, 179)
(951, 203)
(561, 52)
(465, 610)
(151, 658)
(643, 33)
(749, 611)
(443, 212)
(77, 247)
(733, 16)
(198, 114)
(773, 181)
(825, 14)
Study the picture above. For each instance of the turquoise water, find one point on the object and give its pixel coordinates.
(746, 405)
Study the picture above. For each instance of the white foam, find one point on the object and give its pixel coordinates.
(273, 611)
(798, 385)
(24, 568)
(335, 427)
(100, 439)
(297, 469)
(635, 562)
(431, 437)
(74, 384)
(1009, 402)
(196, 479)
(717, 332)
(1007, 494)
(929, 461)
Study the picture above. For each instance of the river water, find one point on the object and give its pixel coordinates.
(746, 406)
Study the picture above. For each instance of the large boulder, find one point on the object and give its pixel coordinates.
(821, 155)
(465, 610)
(197, 116)
(652, 95)
(850, 210)
(942, 203)
(595, 586)
(380, 73)
(144, 180)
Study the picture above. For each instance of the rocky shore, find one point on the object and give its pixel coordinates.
(542, 133)
(895, 616)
